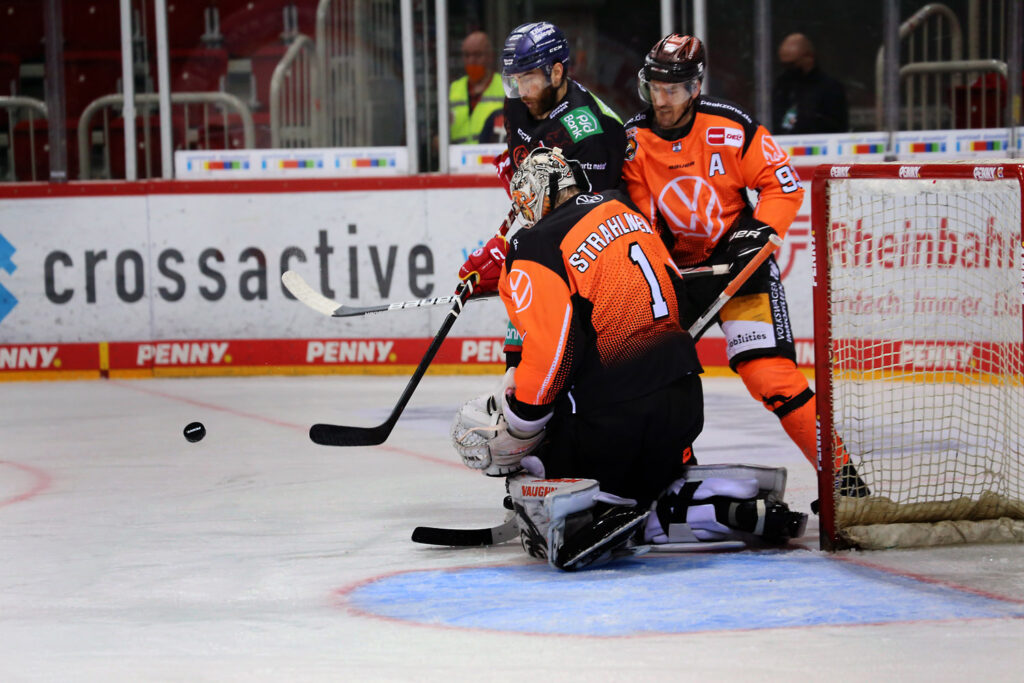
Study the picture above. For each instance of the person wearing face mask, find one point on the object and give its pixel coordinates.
(804, 99)
(473, 98)
(690, 160)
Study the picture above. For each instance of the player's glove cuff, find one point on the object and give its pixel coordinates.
(747, 239)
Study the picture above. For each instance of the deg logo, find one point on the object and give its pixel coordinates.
(522, 289)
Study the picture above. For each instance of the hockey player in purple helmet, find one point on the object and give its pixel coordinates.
(544, 107)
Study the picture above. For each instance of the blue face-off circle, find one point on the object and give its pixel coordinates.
(671, 594)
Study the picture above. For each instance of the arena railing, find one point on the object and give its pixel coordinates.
(150, 101)
(11, 105)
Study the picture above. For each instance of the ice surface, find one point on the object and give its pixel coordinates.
(127, 553)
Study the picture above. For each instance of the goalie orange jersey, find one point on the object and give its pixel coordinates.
(697, 182)
(593, 291)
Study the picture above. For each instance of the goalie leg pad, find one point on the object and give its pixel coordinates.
(548, 509)
(571, 523)
(771, 481)
(716, 508)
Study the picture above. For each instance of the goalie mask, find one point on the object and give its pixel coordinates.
(538, 180)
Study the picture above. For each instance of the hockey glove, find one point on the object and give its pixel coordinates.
(746, 240)
(484, 265)
(481, 435)
(503, 167)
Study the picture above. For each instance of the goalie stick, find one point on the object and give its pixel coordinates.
(507, 531)
(466, 538)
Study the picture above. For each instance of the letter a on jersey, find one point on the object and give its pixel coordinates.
(716, 166)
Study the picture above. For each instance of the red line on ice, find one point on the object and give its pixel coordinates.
(41, 482)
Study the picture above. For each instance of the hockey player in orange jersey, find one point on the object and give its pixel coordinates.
(690, 160)
(606, 401)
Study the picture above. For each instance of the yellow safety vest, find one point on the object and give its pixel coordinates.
(466, 126)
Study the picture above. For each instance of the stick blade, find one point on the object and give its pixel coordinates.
(465, 538)
(301, 290)
(340, 435)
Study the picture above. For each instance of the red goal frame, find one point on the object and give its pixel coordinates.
(821, 286)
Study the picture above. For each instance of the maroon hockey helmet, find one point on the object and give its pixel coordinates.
(674, 59)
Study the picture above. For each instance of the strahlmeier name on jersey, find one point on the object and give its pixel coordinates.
(606, 232)
(593, 291)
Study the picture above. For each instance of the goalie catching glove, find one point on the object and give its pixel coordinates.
(483, 438)
(484, 265)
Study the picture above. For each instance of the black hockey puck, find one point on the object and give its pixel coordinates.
(195, 431)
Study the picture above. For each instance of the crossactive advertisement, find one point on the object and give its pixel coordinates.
(168, 279)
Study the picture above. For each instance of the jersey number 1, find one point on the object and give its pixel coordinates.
(659, 307)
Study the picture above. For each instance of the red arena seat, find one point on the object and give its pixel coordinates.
(21, 29)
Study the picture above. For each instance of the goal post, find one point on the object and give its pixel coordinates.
(919, 352)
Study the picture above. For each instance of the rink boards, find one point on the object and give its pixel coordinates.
(183, 278)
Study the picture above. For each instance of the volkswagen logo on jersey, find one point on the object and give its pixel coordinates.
(522, 289)
(7, 300)
(692, 208)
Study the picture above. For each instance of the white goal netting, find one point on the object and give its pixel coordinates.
(926, 357)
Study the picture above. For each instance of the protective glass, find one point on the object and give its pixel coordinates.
(526, 83)
(672, 94)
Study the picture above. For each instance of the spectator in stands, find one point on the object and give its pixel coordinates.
(477, 95)
(804, 99)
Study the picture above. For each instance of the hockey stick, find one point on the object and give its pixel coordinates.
(506, 531)
(301, 290)
(730, 289)
(340, 435)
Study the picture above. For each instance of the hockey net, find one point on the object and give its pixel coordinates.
(919, 352)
